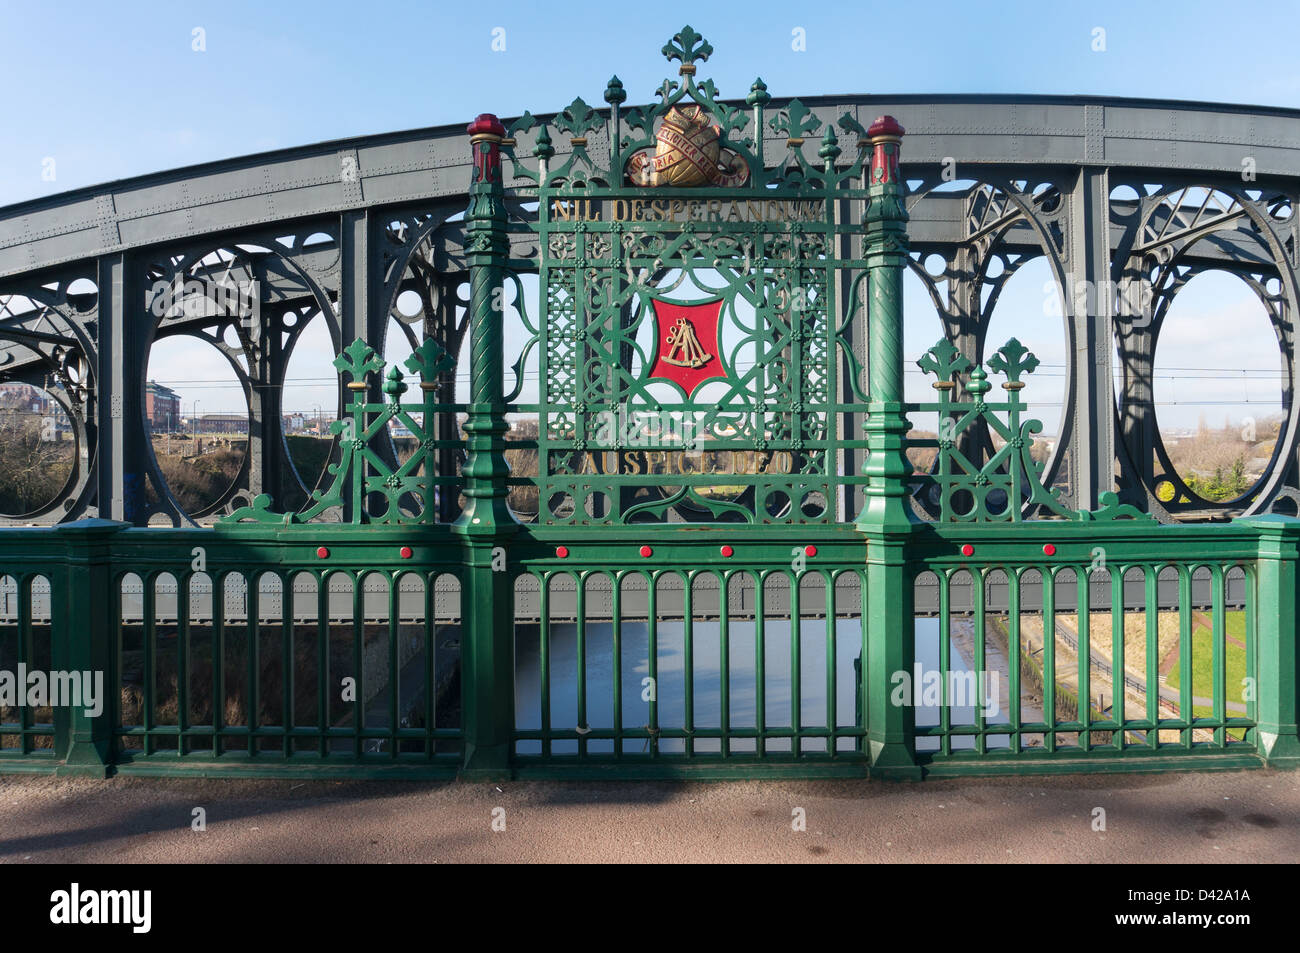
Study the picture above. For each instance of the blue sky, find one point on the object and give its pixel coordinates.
(113, 90)
(108, 91)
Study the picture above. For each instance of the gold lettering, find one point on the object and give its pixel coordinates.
(661, 209)
(560, 210)
(620, 209)
(775, 211)
(754, 211)
(638, 208)
(715, 209)
(734, 214)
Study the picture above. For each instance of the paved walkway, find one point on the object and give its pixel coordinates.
(1231, 817)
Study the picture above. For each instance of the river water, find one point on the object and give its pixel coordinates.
(670, 683)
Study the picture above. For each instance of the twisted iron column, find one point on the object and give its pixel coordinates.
(486, 524)
(886, 519)
(887, 467)
(487, 247)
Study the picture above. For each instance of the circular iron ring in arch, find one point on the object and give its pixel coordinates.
(242, 260)
(51, 343)
(1166, 256)
(993, 206)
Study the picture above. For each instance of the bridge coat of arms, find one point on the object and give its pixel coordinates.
(688, 153)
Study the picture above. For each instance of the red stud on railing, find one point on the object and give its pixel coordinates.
(1049, 550)
(727, 551)
(562, 552)
(967, 549)
(405, 552)
(810, 550)
(322, 552)
(647, 551)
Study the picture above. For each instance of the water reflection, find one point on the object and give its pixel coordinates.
(670, 685)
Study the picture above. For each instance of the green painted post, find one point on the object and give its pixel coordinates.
(486, 524)
(83, 641)
(1277, 611)
(886, 519)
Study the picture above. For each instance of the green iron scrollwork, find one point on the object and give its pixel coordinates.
(363, 474)
(1008, 484)
(681, 213)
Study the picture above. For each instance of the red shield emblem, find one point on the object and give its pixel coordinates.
(687, 350)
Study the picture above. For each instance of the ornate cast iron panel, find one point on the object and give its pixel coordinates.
(691, 325)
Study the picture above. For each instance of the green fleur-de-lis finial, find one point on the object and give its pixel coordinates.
(944, 361)
(758, 94)
(429, 360)
(849, 124)
(687, 46)
(796, 121)
(666, 89)
(1014, 360)
(522, 124)
(577, 120)
(358, 359)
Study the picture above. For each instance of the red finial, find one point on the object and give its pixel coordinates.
(486, 124)
(885, 135)
(485, 136)
(884, 126)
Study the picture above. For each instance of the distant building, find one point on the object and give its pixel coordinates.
(33, 403)
(162, 407)
(23, 398)
(221, 423)
(293, 422)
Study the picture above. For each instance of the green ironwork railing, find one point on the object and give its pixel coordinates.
(707, 655)
(646, 626)
(1106, 644)
(235, 651)
(301, 665)
(720, 652)
(25, 644)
